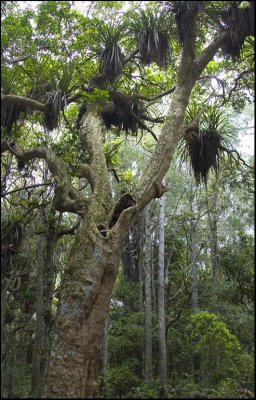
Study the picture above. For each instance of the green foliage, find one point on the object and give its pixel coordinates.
(119, 381)
(146, 390)
(126, 176)
(152, 34)
(219, 348)
(237, 261)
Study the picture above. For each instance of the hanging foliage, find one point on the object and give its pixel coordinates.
(54, 105)
(204, 154)
(108, 50)
(152, 35)
(182, 12)
(125, 115)
(239, 22)
(205, 141)
(10, 113)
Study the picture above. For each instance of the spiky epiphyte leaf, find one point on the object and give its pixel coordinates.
(111, 62)
(204, 145)
(108, 50)
(152, 34)
(55, 104)
(239, 22)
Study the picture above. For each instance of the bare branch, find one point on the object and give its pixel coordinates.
(236, 80)
(230, 151)
(142, 125)
(158, 120)
(153, 98)
(26, 187)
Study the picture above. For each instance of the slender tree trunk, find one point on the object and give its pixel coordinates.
(3, 300)
(194, 278)
(148, 299)
(195, 298)
(38, 343)
(161, 303)
(49, 278)
(213, 228)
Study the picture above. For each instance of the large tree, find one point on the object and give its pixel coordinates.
(54, 58)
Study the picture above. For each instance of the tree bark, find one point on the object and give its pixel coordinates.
(148, 299)
(195, 297)
(39, 334)
(213, 228)
(194, 279)
(161, 302)
(88, 281)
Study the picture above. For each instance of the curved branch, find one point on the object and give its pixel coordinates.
(158, 120)
(236, 81)
(19, 59)
(67, 198)
(230, 151)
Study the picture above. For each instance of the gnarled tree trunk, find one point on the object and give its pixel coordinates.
(90, 275)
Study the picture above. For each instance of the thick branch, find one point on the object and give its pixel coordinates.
(153, 98)
(208, 53)
(66, 197)
(91, 134)
(22, 101)
(130, 56)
